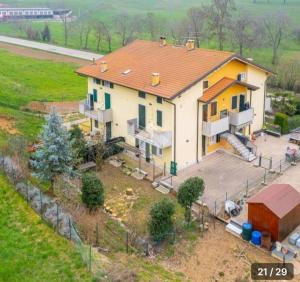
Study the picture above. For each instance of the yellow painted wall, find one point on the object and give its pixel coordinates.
(124, 105)
(231, 70)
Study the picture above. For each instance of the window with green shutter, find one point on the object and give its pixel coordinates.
(234, 101)
(107, 101)
(159, 118)
(95, 95)
(142, 94)
(159, 100)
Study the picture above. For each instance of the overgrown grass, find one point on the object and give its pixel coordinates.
(30, 250)
(25, 79)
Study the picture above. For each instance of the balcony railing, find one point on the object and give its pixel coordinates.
(159, 138)
(102, 116)
(241, 118)
(211, 128)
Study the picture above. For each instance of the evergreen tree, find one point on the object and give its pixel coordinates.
(189, 192)
(92, 191)
(55, 155)
(78, 143)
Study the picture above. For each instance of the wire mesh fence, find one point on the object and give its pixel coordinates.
(253, 185)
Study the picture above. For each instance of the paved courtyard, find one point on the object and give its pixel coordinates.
(222, 172)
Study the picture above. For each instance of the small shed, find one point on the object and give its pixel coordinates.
(276, 210)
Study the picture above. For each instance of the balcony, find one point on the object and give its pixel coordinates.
(211, 128)
(159, 138)
(241, 118)
(102, 116)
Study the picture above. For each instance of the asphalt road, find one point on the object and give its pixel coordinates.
(51, 48)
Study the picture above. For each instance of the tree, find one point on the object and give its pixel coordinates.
(92, 191)
(78, 144)
(276, 26)
(189, 191)
(161, 219)
(195, 18)
(98, 32)
(46, 35)
(218, 14)
(54, 157)
(100, 150)
(243, 31)
(126, 27)
(151, 25)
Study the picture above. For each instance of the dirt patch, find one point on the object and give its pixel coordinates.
(45, 107)
(8, 124)
(218, 256)
(41, 55)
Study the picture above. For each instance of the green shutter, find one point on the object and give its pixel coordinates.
(107, 101)
(159, 118)
(95, 95)
(142, 116)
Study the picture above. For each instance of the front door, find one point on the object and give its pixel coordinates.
(91, 100)
(142, 117)
(108, 131)
(147, 152)
(242, 103)
(107, 101)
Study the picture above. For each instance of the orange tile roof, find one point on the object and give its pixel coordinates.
(178, 68)
(220, 86)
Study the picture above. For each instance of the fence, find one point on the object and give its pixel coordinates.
(252, 186)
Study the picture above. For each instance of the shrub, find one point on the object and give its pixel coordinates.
(189, 191)
(282, 120)
(161, 219)
(92, 191)
(294, 122)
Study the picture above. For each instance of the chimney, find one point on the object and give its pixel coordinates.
(190, 44)
(163, 41)
(103, 66)
(155, 79)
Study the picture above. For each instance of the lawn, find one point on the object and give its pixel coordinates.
(30, 250)
(26, 79)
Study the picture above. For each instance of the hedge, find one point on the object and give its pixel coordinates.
(282, 120)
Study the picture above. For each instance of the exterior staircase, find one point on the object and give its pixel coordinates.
(239, 146)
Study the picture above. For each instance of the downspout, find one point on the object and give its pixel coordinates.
(174, 157)
(250, 107)
(197, 143)
(265, 94)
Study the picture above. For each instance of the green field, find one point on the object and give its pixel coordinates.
(25, 79)
(166, 10)
(30, 250)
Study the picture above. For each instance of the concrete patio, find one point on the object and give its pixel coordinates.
(222, 173)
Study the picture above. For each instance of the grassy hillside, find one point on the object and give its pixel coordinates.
(25, 79)
(30, 250)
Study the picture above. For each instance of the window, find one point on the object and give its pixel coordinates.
(242, 76)
(234, 102)
(213, 139)
(218, 138)
(111, 85)
(159, 118)
(95, 95)
(205, 84)
(213, 108)
(156, 151)
(159, 100)
(97, 81)
(96, 123)
(142, 94)
(107, 84)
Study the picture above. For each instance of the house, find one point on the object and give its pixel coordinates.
(175, 103)
(7, 13)
(275, 210)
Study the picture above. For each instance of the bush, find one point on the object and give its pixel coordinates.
(92, 191)
(294, 122)
(189, 192)
(282, 120)
(161, 221)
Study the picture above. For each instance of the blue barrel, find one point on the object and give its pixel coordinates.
(246, 231)
(256, 238)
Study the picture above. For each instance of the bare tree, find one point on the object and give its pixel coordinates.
(242, 31)
(126, 27)
(218, 15)
(276, 26)
(195, 19)
(87, 31)
(107, 35)
(64, 19)
(151, 25)
(98, 32)
(178, 30)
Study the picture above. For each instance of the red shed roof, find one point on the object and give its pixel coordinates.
(279, 198)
